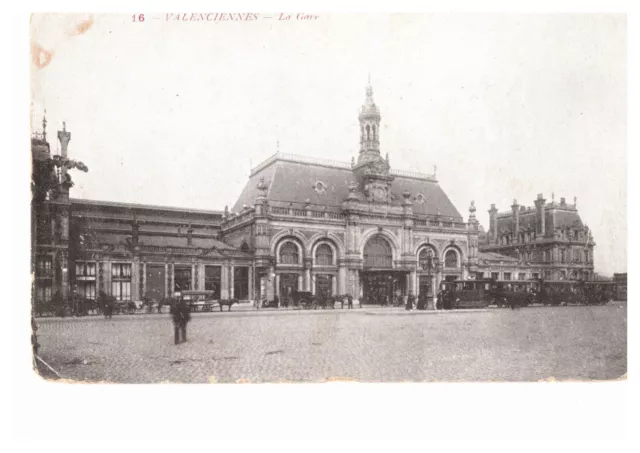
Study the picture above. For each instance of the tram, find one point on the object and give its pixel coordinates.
(465, 294)
(509, 293)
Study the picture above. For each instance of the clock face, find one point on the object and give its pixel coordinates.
(379, 194)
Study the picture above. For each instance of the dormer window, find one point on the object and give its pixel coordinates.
(420, 198)
(320, 187)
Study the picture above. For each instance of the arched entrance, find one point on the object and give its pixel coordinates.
(381, 282)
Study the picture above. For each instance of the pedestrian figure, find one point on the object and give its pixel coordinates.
(421, 302)
(410, 301)
(108, 308)
(181, 316)
(349, 301)
(341, 302)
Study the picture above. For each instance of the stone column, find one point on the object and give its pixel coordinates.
(307, 280)
(193, 276)
(172, 279)
(135, 279)
(144, 279)
(334, 285)
(64, 267)
(224, 281)
(438, 280)
(201, 275)
(252, 293)
(166, 280)
(107, 276)
(276, 285)
(342, 280)
(231, 282)
(431, 301)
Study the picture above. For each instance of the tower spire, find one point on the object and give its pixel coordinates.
(369, 119)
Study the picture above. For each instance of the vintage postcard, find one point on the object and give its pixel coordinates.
(296, 197)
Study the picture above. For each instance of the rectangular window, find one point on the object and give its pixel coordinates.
(212, 279)
(86, 289)
(121, 271)
(84, 269)
(522, 276)
(43, 290)
(495, 275)
(121, 290)
(121, 281)
(181, 278)
(44, 266)
(241, 283)
(535, 275)
(507, 276)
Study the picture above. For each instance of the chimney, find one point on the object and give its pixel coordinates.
(540, 204)
(563, 202)
(493, 223)
(516, 221)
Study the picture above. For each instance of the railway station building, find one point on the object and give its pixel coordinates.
(361, 228)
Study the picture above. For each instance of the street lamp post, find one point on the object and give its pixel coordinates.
(428, 262)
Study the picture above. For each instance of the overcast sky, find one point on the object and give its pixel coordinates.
(506, 106)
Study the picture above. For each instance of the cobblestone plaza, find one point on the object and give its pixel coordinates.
(363, 344)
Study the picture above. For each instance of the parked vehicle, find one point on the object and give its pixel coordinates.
(465, 293)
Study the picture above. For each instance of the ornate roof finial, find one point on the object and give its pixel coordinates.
(262, 186)
(553, 197)
(44, 125)
(575, 201)
(64, 126)
(278, 146)
(386, 157)
(435, 169)
(353, 161)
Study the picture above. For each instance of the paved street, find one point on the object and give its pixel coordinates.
(369, 345)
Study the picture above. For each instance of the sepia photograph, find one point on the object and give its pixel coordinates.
(299, 197)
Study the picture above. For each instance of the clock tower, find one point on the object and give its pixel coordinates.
(371, 170)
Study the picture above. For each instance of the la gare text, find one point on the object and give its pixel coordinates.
(238, 17)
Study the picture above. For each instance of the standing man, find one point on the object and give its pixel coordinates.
(349, 301)
(410, 301)
(181, 316)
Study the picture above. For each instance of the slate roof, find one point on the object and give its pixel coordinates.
(292, 181)
(564, 217)
(495, 257)
(568, 219)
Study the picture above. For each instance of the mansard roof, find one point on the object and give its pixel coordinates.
(293, 179)
(126, 211)
(565, 216)
(493, 257)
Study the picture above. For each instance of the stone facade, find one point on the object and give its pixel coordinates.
(547, 238)
(358, 227)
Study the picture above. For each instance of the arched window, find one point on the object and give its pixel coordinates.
(244, 247)
(373, 128)
(451, 259)
(289, 254)
(324, 255)
(377, 253)
(368, 130)
(427, 259)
